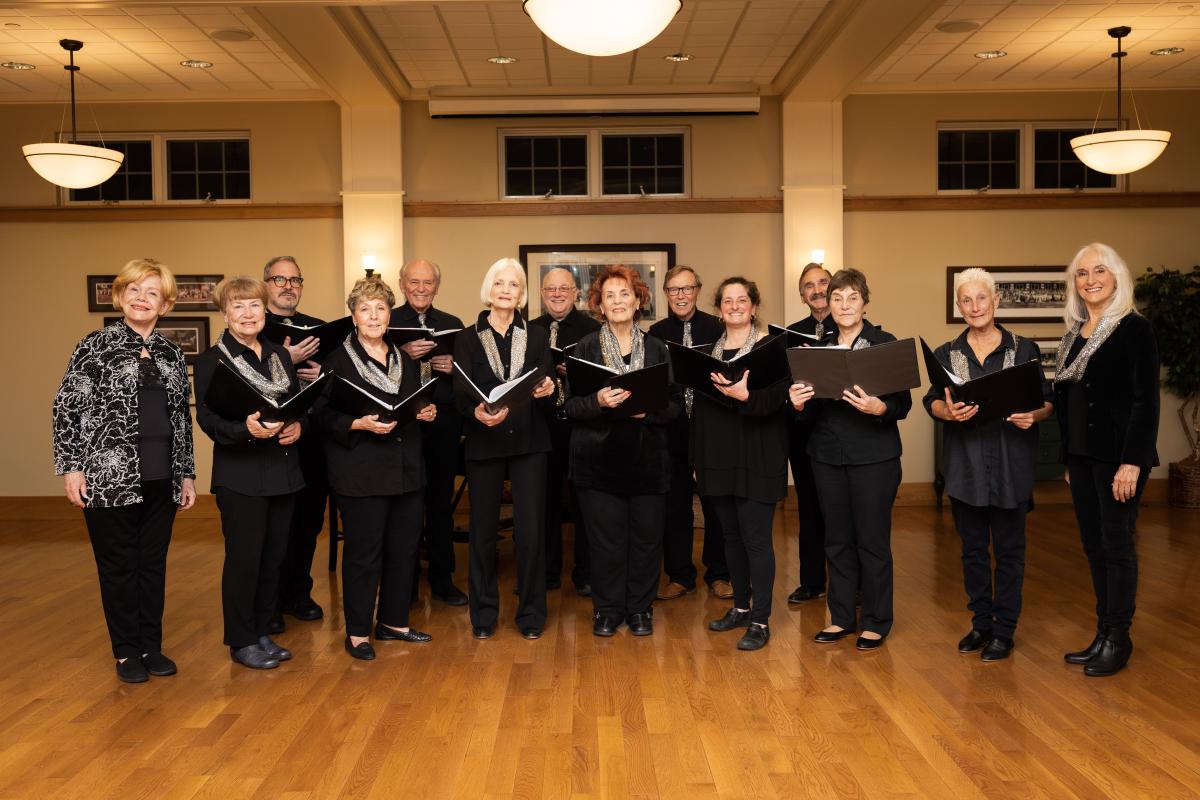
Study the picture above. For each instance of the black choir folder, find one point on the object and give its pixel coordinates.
(560, 354)
(350, 398)
(880, 369)
(767, 364)
(649, 387)
(231, 396)
(998, 394)
(795, 338)
(510, 394)
(443, 339)
(331, 335)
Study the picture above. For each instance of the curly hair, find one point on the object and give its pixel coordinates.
(751, 290)
(619, 272)
(370, 288)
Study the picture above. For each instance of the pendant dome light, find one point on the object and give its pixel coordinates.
(1120, 152)
(602, 27)
(68, 164)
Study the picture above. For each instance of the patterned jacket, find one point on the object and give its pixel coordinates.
(96, 414)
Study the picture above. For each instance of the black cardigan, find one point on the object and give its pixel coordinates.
(623, 456)
(364, 464)
(1121, 387)
(241, 463)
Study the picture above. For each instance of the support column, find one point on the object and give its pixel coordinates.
(372, 191)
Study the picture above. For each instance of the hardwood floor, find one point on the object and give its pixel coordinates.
(681, 714)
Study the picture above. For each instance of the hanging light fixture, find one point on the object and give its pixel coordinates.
(68, 164)
(602, 27)
(1121, 151)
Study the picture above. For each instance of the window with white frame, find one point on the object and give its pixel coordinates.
(1015, 157)
(594, 162)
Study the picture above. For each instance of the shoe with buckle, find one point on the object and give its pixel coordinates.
(273, 650)
(755, 637)
(386, 633)
(254, 657)
(158, 665)
(673, 590)
(829, 637)
(973, 641)
(641, 623)
(998, 649)
(732, 620)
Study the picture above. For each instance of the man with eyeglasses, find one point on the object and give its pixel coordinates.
(567, 325)
(285, 286)
(687, 325)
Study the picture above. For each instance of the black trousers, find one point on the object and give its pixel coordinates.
(1108, 530)
(440, 449)
(379, 555)
(626, 547)
(748, 551)
(857, 503)
(486, 480)
(557, 467)
(994, 605)
(308, 518)
(130, 545)
(256, 536)
(811, 538)
(678, 534)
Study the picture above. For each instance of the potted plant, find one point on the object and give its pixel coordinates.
(1170, 299)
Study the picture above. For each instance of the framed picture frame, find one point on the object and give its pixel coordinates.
(1049, 351)
(584, 261)
(195, 292)
(190, 333)
(1027, 294)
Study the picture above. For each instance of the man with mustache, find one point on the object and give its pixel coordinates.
(285, 287)
(814, 284)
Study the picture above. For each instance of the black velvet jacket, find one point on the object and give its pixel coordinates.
(1121, 388)
(623, 456)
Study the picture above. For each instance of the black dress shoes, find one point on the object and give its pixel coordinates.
(1113, 656)
(276, 625)
(451, 595)
(362, 651)
(273, 650)
(732, 619)
(254, 657)
(864, 643)
(583, 589)
(755, 637)
(306, 610)
(803, 594)
(640, 624)
(158, 665)
(604, 625)
(998, 649)
(483, 631)
(1088, 653)
(973, 641)
(531, 632)
(132, 670)
(829, 637)
(384, 633)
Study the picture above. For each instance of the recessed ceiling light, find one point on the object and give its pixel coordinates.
(17, 65)
(957, 26)
(1166, 51)
(232, 35)
(502, 60)
(195, 63)
(989, 54)
(677, 57)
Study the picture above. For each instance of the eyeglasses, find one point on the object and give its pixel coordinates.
(282, 280)
(675, 291)
(558, 289)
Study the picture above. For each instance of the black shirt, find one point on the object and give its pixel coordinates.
(406, 317)
(154, 423)
(808, 326)
(1077, 405)
(571, 328)
(706, 329)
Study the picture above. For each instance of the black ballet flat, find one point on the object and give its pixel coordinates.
(864, 643)
(385, 634)
(363, 652)
(829, 637)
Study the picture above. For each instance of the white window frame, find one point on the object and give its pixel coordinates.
(1025, 153)
(158, 165)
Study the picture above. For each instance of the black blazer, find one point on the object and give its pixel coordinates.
(241, 463)
(525, 430)
(1121, 389)
(363, 464)
(623, 456)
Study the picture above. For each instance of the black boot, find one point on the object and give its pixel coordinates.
(1113, 656)
(1085, 655)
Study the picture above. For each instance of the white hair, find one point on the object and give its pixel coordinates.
(437, 271)
(1122, 299)
(974, 275)
(485, 289)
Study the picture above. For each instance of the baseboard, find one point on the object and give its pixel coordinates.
(57, 508)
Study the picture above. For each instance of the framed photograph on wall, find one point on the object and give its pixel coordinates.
(584, 261)
(195, 292)
(1027, 294)
(1049, 348)
(99, 290)
(190, 333)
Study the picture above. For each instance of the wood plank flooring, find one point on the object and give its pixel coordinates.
(680, 714)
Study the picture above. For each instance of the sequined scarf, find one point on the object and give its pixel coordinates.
(516, 358)
(1064, 373)
(961, 368)
(371, 373)
(751, 338)
(275, 387)
(610, 350)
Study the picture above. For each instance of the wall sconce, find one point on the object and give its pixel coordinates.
(369, 262)
(817, 257)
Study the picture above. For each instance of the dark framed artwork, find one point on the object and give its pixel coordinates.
(190, 333)
(584, 261)
(195, 292)
(1049, 351)
(1027, 294)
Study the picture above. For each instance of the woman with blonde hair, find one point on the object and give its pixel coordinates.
(123, 444)
(1106, 389)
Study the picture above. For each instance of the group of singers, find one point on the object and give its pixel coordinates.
(123, 443)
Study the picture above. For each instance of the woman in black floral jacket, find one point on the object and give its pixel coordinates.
(123, 444)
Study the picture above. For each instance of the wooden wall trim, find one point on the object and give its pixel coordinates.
(120, 213)
(557, 208)
(1022, 202)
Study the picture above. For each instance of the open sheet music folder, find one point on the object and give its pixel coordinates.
(767, 364)
(878, 370)
(331, 335)
(350, 398)
(998, 394)
(233, 397)
(649, 388)
(510, 394)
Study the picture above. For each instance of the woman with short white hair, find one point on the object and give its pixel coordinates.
(988, 467)
(1106, 389)
(498, 348)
